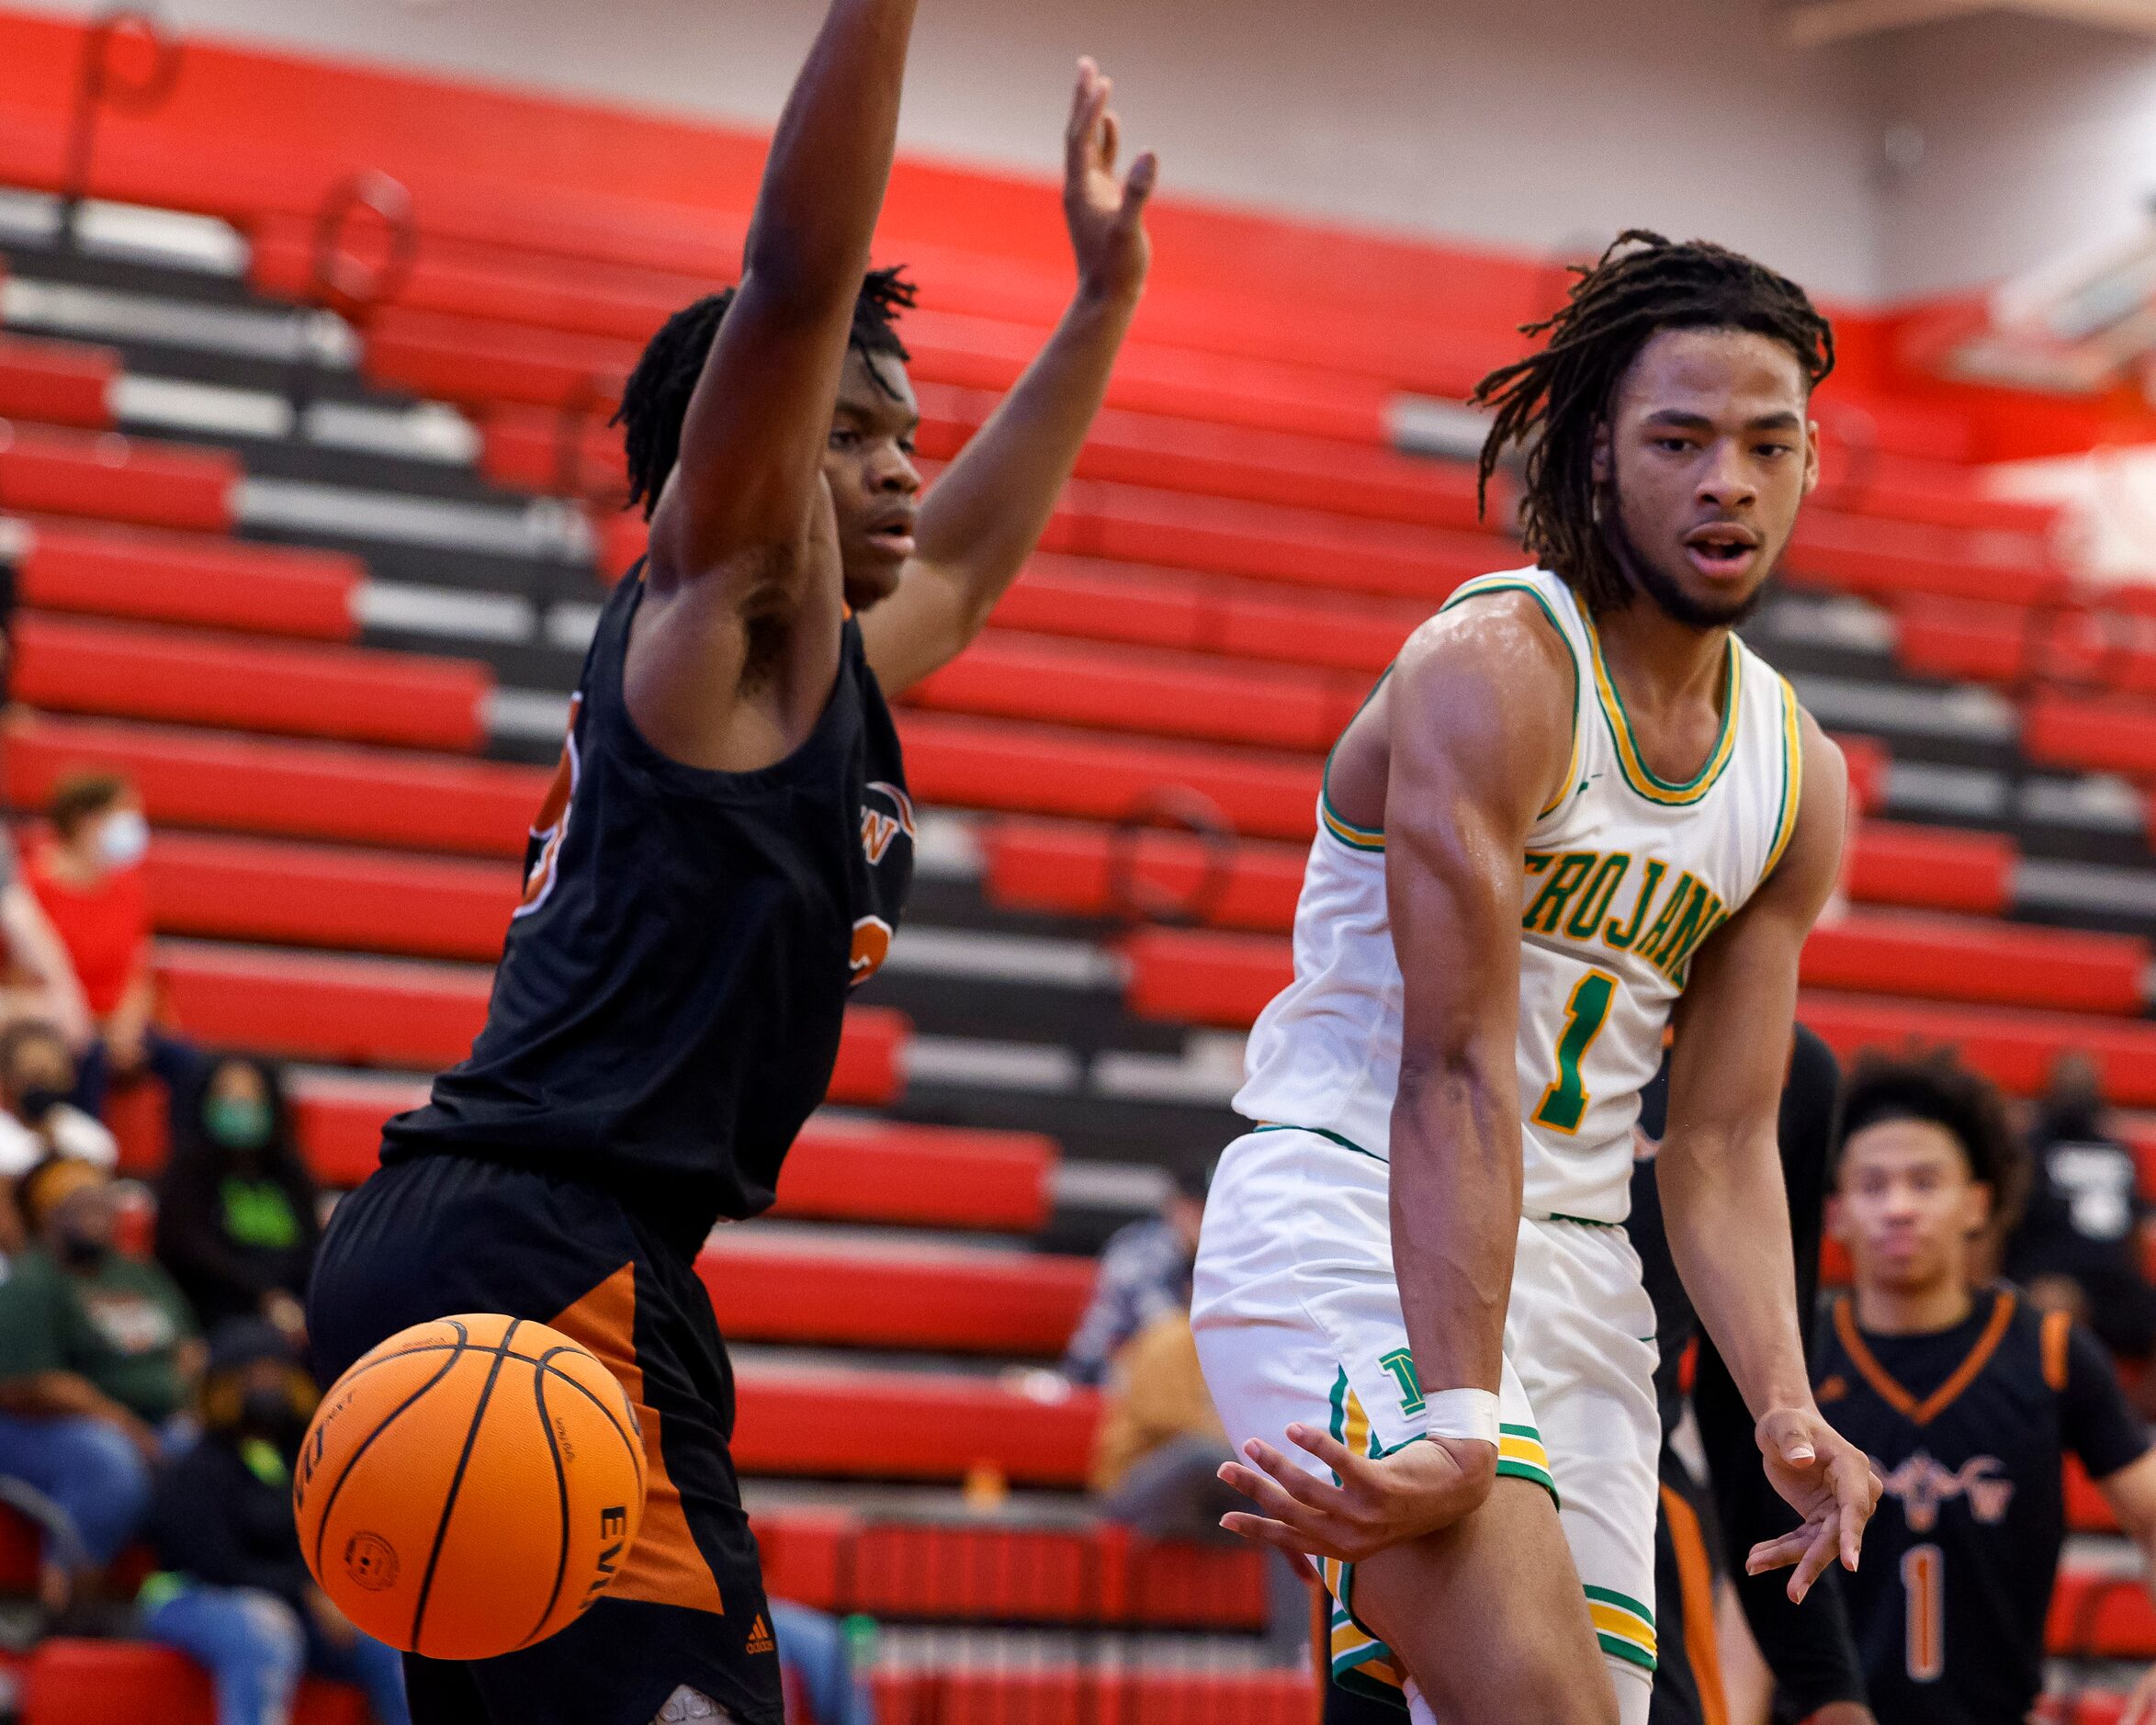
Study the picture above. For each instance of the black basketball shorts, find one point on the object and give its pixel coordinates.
(437, 1236)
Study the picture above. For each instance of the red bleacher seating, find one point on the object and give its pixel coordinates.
(106, 569)
(2093, 733)
(1103, 600)
(943, 1177)
(1220, 978)
(2101, 1615)
(102, 1683)
(138, 670)
(959, 1299)
(287, 788)
(1056, 1694)
(2015, 1048)
(372, 1011)
(1006, 1570)
(842, 1422)
(110, 478)
(1068, 868)
(292, 894)
(57, 383)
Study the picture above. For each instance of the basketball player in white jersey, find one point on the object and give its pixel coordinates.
(1579, 811)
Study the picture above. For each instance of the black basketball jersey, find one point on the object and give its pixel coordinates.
(1968, 1430)
(668, 1008)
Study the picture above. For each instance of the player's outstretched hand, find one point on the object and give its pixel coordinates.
(1828, 1480)
(1379, 1502)
(1106, 214)
(2141, 1704)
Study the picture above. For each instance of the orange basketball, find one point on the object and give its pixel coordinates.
(470, 1486)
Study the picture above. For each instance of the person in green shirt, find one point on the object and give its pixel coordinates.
(97, 1352)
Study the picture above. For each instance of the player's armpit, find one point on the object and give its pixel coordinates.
(2132, 1493)
(1478, 726)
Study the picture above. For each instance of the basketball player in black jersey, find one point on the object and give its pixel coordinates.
(1969, 1401)
(724, 856)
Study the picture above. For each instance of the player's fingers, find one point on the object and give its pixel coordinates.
(1111, 141)
(1137, 185)
(1280, 1536)
(1274, 1493)
(1329, 1450)
(1298, 1481)
(1813, 1564)
(1078, 135)
(1790, 1439)
(1777, 1554)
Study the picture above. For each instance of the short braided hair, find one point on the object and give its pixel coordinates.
(1553, 402)
(655, 401)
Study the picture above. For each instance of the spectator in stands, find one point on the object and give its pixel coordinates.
(97, 1352)
(1144, 1275)
(2078, 1248)
(87, 874)
(231, 1590)
(38, 1075)
(237, 1211)
(38, 982)
(1157, 1460)
(815, 1658)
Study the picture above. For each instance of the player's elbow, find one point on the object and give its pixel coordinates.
(1454, 1092)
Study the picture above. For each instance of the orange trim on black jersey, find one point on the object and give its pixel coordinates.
(2058, 1332)
(1922, 1412)
(1695, 1575)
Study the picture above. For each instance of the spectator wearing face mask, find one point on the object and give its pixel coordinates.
(96, 1353)
(231, 1590)
(88, 876)
(237, 1215)
(38, 1075)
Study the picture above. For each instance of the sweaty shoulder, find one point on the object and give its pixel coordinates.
(1487, 682)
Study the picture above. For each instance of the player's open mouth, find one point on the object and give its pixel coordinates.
(1722, 550)
(893, 537)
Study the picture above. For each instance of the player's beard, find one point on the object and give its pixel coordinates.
(1662, 588)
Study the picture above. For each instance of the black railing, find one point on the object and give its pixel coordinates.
(100, 84)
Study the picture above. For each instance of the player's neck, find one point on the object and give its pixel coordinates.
(1915, 1309)
(1659, 664)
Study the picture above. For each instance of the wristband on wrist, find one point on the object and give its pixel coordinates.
(1470, 1414)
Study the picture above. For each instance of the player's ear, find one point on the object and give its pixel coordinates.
(1599, 465)
(1838, 1220)
(1811, 457)
(1976, 1207)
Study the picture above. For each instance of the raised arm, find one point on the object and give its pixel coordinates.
(985, 516)
(1721, 1177)
(1477, 721)
(734, 540)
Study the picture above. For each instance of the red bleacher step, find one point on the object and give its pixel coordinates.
(110, 478)
(159, 576)
(295, 895)
(2102, 1615)
(284, 788)
(1094, 599)
(1005, 1571)
(104, 1682)
(1057, 1695)
(1069, 868)
(372, 1011)
(1204, 977)
(57, 383)
(143, 671)
(782, 1288)
(851, 1422)
(2015, 1048)
(1006, 674)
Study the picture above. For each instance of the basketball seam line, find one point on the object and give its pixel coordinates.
(538, 1363)
(561, 1490)
(323, 1527)
(471, 1438)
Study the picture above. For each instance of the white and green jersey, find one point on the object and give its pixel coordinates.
(1624, 875)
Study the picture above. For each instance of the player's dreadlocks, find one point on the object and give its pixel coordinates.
(655, 401)
(1936, 1088)
(1553, 401)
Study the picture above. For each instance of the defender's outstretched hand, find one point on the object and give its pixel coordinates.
(1379, 1502)
(1828, 1480)
(1106, 214)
